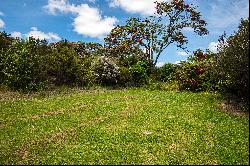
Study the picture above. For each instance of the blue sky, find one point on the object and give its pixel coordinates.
(91, 20)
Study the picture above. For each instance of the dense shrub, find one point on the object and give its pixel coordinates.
(67, 66)
(125, 77)
(139, 72)
(195, 73)
(22, 64)
(29, 64)
(105, 71)
(166, 73)
(232, 62)
(5, 42)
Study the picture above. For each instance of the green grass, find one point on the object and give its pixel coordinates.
(133, 126)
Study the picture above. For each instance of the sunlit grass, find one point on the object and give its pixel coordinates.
(132, 126)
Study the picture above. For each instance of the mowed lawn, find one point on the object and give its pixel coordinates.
(133, 126)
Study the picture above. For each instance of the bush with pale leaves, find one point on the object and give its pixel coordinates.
(105, 70)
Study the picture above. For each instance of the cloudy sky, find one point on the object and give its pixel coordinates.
(91, 20)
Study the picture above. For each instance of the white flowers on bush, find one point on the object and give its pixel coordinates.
(105, 70)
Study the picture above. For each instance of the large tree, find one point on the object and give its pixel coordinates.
(232, 61)
(156, 33)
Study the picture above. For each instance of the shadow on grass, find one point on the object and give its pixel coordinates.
(235, 105)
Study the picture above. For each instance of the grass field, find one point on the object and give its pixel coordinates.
(133, 126)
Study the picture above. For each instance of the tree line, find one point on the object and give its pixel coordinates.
(129, 56)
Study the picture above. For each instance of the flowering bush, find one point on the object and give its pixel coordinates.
(195, 73)
(105, 70)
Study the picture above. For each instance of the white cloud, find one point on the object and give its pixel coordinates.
(143, 7)
(88, 21)
(177, 62)
(213, 47)
(33, 28)
(57, 5)
(35, 33)
(182, 53)
(1, 23)
(41, 35)
(160, 64)
(223, 14)
(16, 34)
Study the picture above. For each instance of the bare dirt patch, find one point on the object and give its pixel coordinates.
(58, 112)
(2, 126)
(232, 107)
(26, 152)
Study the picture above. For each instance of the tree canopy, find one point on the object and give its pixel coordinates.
(155, 33)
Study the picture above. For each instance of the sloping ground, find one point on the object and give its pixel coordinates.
(121, 127)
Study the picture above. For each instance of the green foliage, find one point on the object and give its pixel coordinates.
(163, 86)
(125, 55)
(139, 73)
(68, 66)
(125, 77)
(5, 40)
(167, 72)
(31, 64)
(22, 64)
(232, 62)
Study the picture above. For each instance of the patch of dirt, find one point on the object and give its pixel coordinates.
(46, 114)
(128, 111)
(9, 95)
(172, 146)
(128, 97)
(54, 113)
(62, 135)
(93, 121)
(26, 154)
(232, 107)
(22, 153)
(2, 126)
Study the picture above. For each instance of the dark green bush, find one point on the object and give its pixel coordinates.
(30, 64)
(166, 73)
(125, 78)
(67, 65)
(139, 73)
(232, 62)
(5, 42)
(22, 64)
